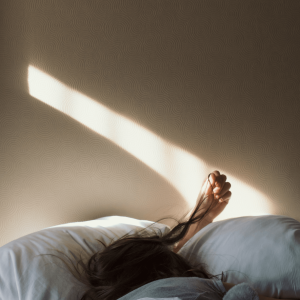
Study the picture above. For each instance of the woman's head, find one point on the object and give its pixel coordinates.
(132, 262)
(137, 259)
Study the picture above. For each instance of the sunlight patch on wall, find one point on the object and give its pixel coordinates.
(184, 171)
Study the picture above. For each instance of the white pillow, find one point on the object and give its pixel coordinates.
(263, 251)
(23, 276)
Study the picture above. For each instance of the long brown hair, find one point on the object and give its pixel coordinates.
(137, 259)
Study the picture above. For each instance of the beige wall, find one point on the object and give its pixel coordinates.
(207, 84)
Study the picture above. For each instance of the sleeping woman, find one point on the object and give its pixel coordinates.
(146, 265)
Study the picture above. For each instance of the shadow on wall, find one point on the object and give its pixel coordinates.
(180, 168)
(215, 83)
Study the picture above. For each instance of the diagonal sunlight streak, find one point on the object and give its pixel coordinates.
(184, 171)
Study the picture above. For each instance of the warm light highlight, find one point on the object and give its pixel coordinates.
(180, 168)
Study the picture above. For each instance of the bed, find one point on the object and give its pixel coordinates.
(263, 251)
